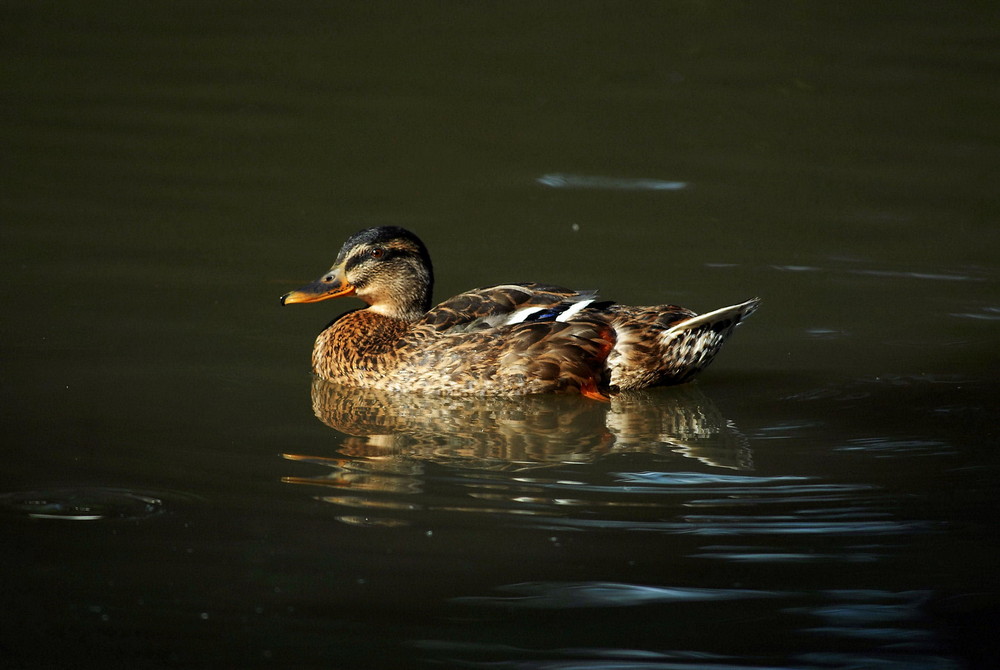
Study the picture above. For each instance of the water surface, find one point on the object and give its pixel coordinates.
(177, 490)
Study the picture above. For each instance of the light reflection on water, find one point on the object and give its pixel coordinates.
(987, 314)
(494, 452)
(92, 503)
(492, 456)
(609, 183)
(890, 627)
(891, 274)
(605, 594)
(531, 432)
(667, 465)
(481, 451)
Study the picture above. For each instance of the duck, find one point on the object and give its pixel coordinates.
(508, 339)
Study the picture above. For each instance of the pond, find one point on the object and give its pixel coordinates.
(179, 491)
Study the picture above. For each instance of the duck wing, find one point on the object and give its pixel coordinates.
(503, 305)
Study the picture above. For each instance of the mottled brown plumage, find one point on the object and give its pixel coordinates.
(509, 339)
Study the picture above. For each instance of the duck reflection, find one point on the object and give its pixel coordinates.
(394, 435)
(532, 455)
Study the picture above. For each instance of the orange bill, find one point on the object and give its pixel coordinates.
(328, 286)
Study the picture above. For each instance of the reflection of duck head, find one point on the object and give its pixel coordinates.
(527, 431)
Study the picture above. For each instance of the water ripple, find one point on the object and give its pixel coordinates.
(561, 180)
(567, 595)
(888, 446)
(697, 478)
(710, 526)
(917, 275)
(89, 503)
(582, 658)
(988, 314)
(877, 662)
(756, 556)
(892, 274)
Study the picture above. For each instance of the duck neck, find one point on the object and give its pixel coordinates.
(357, 344)
(395, 312)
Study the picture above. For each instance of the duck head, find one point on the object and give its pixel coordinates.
(387, 267)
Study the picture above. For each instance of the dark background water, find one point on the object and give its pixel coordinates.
(174, 492)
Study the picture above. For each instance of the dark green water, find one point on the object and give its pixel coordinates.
(175, 492)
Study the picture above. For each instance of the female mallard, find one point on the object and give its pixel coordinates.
(510, 339)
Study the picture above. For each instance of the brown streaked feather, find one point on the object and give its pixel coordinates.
(668, 344)
(478, 306)
(562, 342)
(518, 359)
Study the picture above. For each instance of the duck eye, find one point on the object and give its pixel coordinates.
(377, 252)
